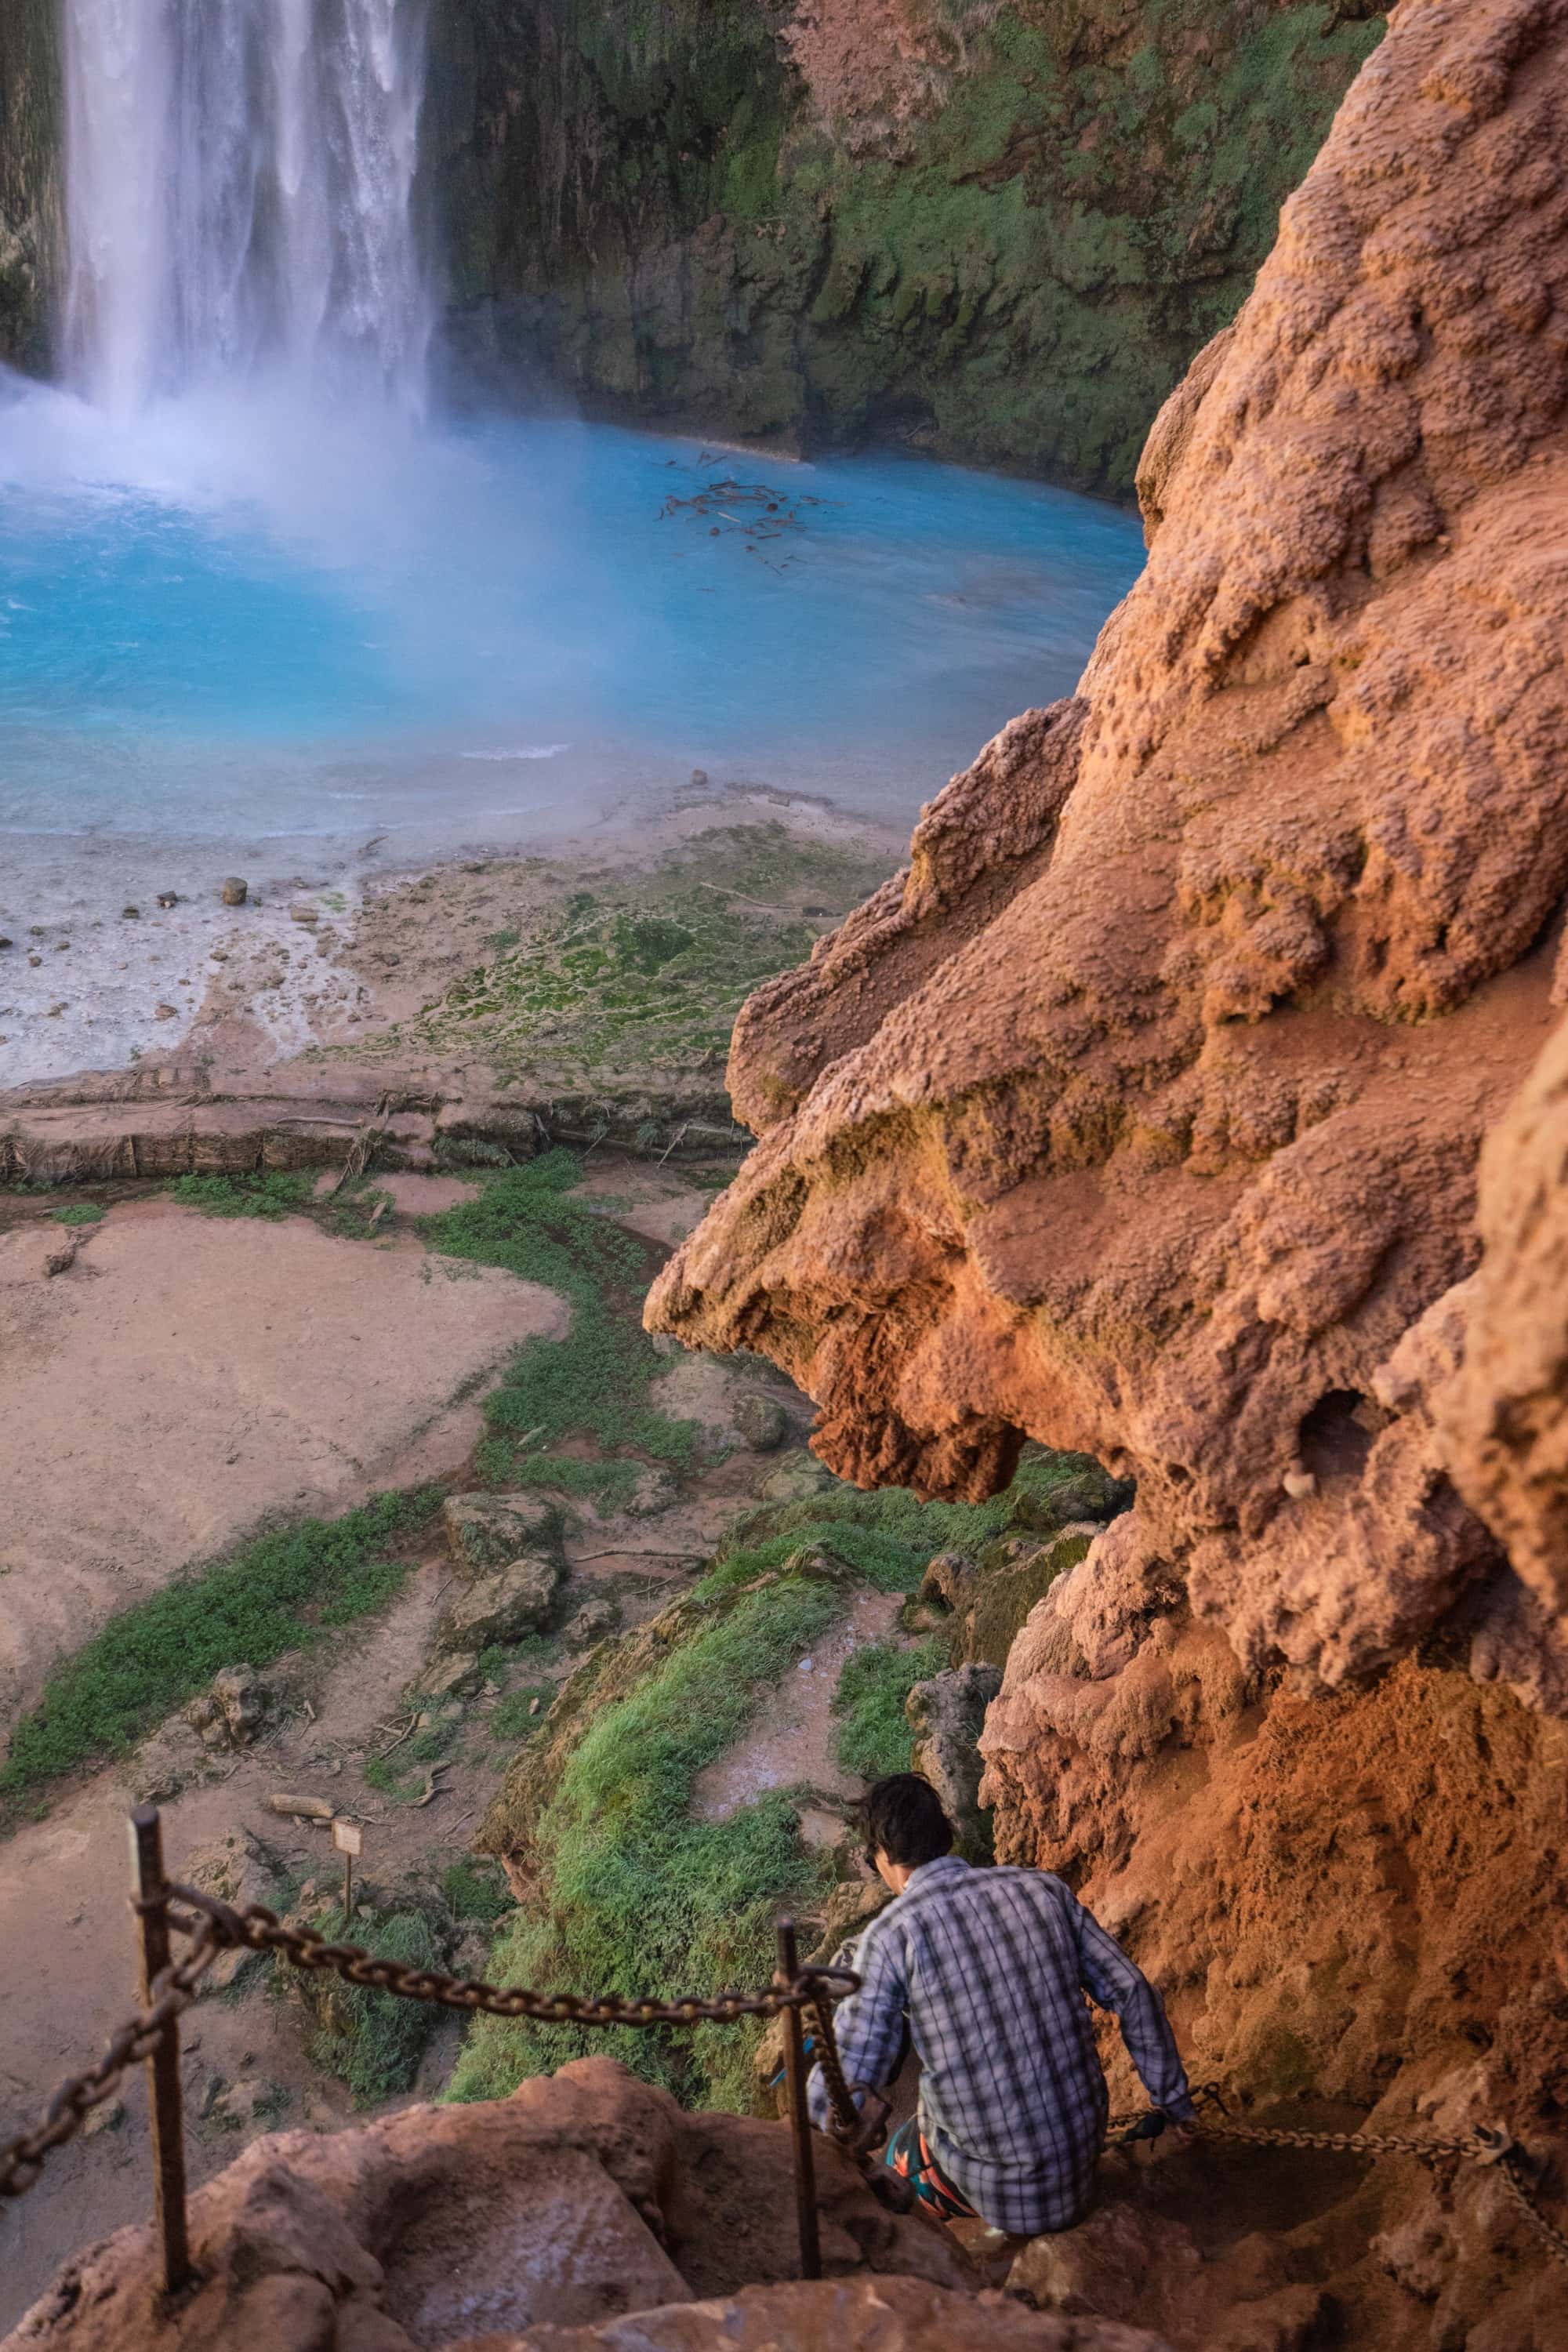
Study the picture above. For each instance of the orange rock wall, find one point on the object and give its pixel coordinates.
(1198, 1098)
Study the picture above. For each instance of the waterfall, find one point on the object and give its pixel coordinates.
(241, 196)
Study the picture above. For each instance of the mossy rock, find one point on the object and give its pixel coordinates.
(1005, 1593)
(1008, 253)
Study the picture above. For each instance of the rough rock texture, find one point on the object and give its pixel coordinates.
(1160, 1139)
(499, 1604)
(31, 239)
(945, 1717)
(999, 229)
(489, 1531)
(529, 2223)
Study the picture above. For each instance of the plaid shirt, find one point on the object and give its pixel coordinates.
(990, 1968)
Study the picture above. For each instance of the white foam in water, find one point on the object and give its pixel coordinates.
(262, 611)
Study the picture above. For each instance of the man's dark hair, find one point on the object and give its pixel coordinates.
(905, 1820)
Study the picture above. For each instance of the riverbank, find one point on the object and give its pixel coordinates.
(592, 982)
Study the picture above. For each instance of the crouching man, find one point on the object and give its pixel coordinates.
(987, 1969)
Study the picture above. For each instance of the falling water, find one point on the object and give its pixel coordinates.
(242, 179)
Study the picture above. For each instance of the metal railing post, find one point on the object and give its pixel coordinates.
(165, 2106)
(799, 2112)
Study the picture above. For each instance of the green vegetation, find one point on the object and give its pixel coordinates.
(1077, 200)
(277, 1592)
(887, 1537)
(372, 2041)
(642, 1897)
(271, 1192)
(873, 1734)
(79, 1213)
(594, 1382)
(477, 1892)
(641, 976)
(511, 1717)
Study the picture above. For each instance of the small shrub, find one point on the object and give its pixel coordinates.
(79, 1213)
(271, 1192)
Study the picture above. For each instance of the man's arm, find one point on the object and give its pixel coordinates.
(869, 2026)
(1111, 1979)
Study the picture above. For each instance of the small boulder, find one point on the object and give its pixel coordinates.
(500, 1605)
(238, 1869)
(949, 1580)
(593, 1621)
(451, 1677)
(1082, 1492)
(797, 1478)
(168, 898)
(653, 1491)
(235, 890)
(489, 1530)
(946, 1716)
(761, 1421)
(235, 1708)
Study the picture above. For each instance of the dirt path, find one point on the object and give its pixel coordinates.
(184, 1375)
(188, 1376)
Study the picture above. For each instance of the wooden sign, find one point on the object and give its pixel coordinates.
(347, 1836)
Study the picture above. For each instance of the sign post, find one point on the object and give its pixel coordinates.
(347, 1836)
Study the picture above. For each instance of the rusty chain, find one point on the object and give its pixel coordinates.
(1489, 2146)
(215, 1927)
(22, 2158)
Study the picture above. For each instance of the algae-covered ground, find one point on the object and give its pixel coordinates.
(1000, 231)
(604, 980)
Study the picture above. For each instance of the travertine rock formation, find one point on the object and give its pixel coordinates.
(536, 2224)
(1144, 1113)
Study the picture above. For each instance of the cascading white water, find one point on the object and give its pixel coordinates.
(242, 179)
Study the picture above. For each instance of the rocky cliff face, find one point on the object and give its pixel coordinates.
(997, 227)
(1196, 1098)
(30, 228)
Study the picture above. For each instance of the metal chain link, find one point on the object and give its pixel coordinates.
(215, 1927)
(22, 2158)
(1490, 2146)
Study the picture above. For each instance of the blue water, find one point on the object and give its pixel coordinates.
(231, 623)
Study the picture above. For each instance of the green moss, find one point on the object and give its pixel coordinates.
(873, 1731)
(1007, 1594)
(477, 1892)
(279, 1593)
(1017, 274)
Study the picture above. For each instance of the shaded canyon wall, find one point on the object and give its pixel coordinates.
(1198, 1097)
(30, 227)
(1000, 231)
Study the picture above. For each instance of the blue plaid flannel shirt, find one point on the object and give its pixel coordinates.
(990, 1968)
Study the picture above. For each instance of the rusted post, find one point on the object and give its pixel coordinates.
(799, 2112)
(163, 2100)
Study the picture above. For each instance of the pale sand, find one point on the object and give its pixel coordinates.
(191, 1377)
